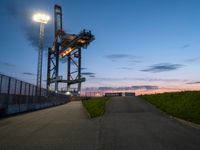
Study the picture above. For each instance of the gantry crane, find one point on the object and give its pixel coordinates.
(68, 46)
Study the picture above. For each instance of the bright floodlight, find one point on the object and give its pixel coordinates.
(42, 18)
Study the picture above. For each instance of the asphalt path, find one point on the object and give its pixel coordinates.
(65, 127)
(129, 123)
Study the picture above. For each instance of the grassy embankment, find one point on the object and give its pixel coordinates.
(95, 106)
(185, 105)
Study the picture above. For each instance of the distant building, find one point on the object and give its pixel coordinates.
(120, 94)
(92, 94)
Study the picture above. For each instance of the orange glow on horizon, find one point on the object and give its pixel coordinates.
(144, 91)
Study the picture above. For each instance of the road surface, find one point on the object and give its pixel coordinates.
(64, 127)
(133, 124)
(129, 123)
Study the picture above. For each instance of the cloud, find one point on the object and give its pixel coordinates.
(140, 79)
(64, 60)
(195, 59)
(125, 68)
(88, 73)
(126, 88)
(22, 12)
(163, 67)
(7, 64)
(83, 68)
(198, 82)
(185, 46)
(92, 76)
(118, 57)
(29, 73)
(146, 87)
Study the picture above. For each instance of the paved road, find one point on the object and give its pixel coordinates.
(128, 124)
(133, 124)
(64, 127)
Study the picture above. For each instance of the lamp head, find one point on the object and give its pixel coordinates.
(41, 18)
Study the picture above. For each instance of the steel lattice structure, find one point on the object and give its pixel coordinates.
(68, 46)
(42, 19)
(40, 55)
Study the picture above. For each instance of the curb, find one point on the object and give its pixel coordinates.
(182, 121)
(88, 114)
(85, 110)
(187, 123)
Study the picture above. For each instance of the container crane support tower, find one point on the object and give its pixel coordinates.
(68, 46)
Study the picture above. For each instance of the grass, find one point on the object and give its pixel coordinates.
(185, 105)
(95, 106)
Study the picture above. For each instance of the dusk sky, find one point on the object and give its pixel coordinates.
(147, 45)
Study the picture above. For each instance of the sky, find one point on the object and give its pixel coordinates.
(140, 45)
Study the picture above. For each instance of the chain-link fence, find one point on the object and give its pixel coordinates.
(19, 96)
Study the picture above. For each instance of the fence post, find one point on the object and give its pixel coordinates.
(1, 82)
(28, 89)
(20, 91)
(25, 88)
(8, 92)
(36, 91)
(15, 87)
(20, 88)
(33, 90)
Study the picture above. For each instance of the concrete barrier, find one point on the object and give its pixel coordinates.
(12, 109)
(13, 104)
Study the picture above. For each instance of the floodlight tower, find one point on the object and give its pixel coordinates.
(42, 19)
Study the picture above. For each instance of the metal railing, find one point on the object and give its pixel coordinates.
(19, 96)
(10, 85)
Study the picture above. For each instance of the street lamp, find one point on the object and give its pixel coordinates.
(42, 19)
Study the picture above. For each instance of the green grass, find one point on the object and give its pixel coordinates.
(95, 106)
(185, 105)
